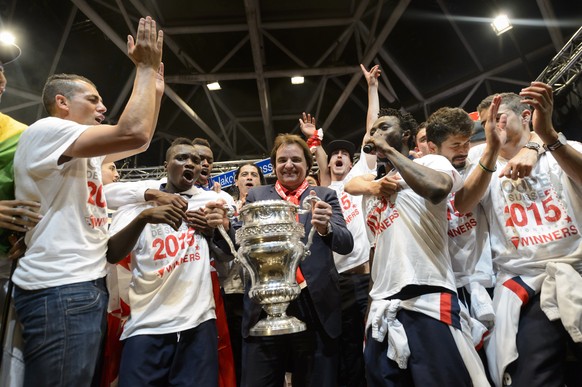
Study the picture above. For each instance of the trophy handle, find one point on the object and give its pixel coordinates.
(306, 207)
(230, 215)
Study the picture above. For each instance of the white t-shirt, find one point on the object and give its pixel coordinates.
(534, 220)
(354, 216)
(171, 287)
(469, 243)
(411, 237)
(123, 193)
(69, 244)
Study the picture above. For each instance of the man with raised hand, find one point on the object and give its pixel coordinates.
(414, 306)
(536, 243)
(60, 293)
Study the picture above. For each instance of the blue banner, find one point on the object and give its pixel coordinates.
(226, 179)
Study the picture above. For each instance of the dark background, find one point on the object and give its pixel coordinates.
(432, 53)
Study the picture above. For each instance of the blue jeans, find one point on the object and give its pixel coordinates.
(63, 331)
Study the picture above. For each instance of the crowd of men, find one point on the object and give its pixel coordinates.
(433, 263)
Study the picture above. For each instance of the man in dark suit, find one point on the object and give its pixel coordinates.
(311, 354)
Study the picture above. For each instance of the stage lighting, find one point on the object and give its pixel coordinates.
(7, 37)
(297, 80)
(501, 24)
(213, 86)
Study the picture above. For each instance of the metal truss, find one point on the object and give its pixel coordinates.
(566, 66)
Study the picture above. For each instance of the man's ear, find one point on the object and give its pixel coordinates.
(432, 148)
(526, 117)
(61, 102)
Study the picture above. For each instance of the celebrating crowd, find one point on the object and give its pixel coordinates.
(433, 263)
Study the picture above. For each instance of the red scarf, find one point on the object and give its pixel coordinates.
(293, 196)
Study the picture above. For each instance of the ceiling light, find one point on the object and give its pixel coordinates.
(501, 24)
(7, 37)
(213, 86)
(297, 80)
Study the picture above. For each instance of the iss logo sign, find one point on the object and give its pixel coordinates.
(226, 179)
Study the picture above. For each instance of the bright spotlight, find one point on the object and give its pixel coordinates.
(213, 86)
(7, 37)
(297, 80)
(501, 24)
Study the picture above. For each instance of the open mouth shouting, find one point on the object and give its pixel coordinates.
(204, 173)
(188, 175)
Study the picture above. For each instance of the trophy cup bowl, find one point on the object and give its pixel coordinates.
(270, 250)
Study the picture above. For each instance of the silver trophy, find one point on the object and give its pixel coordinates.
(270, 250)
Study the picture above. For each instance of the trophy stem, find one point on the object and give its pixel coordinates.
(277, 322)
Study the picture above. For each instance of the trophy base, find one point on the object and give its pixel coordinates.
(281, 325)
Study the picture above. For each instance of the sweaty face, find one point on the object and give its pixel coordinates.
(183, 168)
(109, 173)
(388, 128)
(85, 105)
(290, 166)
(248, 177)
(339, 163)
(206, 161)
(455, 149)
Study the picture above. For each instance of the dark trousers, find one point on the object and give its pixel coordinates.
(354, 293)
(189, 358)
(542, 346)
(434, 357)
(311, 355)
(233, 306)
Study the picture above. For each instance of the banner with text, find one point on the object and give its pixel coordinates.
(226, 179)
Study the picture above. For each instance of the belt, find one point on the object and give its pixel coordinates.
(363, 268)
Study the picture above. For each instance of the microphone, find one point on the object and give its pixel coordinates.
(369, 148)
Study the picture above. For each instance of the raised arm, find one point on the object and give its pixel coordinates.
(541, 97)
(373, 106)
(160, 86)
(426, 182)
(476, 183)
(136, 124)
(308, 128)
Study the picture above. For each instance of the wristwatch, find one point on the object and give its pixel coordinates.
(533, 146)
(559, 142)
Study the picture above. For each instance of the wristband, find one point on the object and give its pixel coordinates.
(487, 169)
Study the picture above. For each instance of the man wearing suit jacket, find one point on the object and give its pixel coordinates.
(312, 354)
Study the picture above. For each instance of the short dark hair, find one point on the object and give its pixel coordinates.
(447, 122)
(407, 122)
(259, 171)
(201, 141)
(512, 100)
(64, 84)
(177, 141)
(288, 139)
